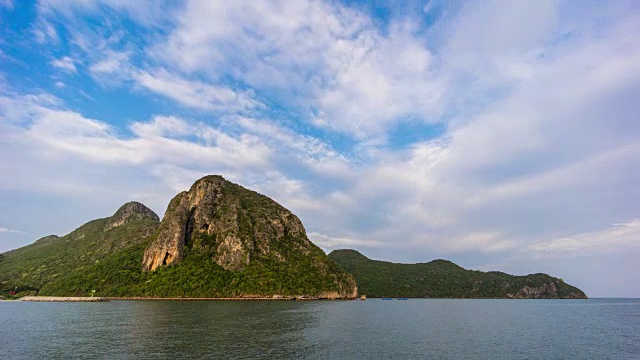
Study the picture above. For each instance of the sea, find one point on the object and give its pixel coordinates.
(371, 329)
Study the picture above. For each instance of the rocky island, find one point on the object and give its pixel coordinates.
(217, 240)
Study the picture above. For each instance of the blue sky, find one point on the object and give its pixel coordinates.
(500, 135)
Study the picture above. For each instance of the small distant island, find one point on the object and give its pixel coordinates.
(444, 279)
(219, 240)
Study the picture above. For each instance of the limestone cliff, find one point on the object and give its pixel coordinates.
(237, 227)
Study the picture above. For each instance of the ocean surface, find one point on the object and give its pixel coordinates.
(371, 329)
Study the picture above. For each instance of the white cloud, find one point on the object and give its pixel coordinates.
(378, 80)
(39, 121)
(7, 3)
(7, 230)
(428, 6)
(312, 152)
(618, 237)
(482, 241)
(340, 242)
(162, 126)
(196, 94)
(85, 95)
(59, 84)
(103, 47)
(581, 173)
(112, 67)
(44, 32)
(65, 63)
(70, 133)
(556, 153)
(145, 12)
(328, 61)
(479, 28)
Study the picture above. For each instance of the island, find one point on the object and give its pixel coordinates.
(219, 240)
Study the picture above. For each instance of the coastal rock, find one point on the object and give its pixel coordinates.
(545, 291)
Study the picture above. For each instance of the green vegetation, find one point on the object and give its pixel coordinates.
(27, 269)
(119, 273)
(444, 279)
(106, 255)
(195, 276)
(64, 267)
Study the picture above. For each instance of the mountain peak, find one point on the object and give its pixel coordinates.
(240, 230)
(132, 210)
(211, 179)
(347, 253)
(219, 216)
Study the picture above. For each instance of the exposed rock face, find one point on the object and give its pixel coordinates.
(235, 226)
(546, 291)
(212, 215)
(168, 247)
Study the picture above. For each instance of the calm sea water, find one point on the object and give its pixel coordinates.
(412, 329)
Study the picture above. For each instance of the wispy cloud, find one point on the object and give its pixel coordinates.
(146, 12)
(341, 242)
(7, 230)
(112, 62)
(195, 93)
(615, 238)
(7, 3)
(65, 63)
(45, 32)
(351, 78)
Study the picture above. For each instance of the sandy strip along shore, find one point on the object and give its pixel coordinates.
(101, 299)
(62, 299)
(208, 298)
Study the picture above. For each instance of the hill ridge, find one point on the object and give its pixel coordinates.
(443, 278)
(52, 257)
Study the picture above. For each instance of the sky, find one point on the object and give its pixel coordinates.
(500, 135)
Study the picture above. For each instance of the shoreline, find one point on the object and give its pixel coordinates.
(62, 299)
(140, 298)
(282, 298)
